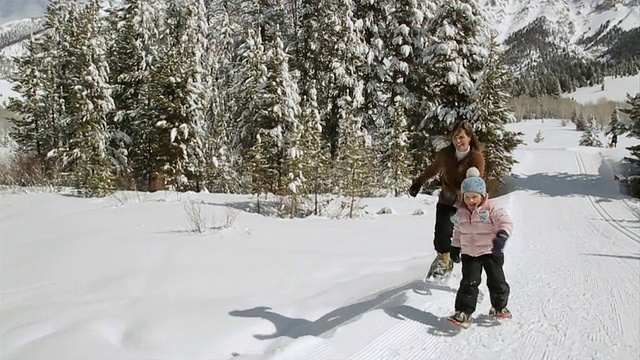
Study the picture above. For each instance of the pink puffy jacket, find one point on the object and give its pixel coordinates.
(474, 232)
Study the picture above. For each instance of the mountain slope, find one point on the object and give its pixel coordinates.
(576, 18)
(12, 34)
(560, 45)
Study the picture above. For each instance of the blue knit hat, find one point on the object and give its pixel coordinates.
(474, 183)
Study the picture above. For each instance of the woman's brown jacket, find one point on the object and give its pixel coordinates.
(452, 171)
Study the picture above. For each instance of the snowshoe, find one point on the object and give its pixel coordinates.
(460, 319)
(501, 314)
(440, 270)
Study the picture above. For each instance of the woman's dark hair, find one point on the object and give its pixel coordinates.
(468, 130)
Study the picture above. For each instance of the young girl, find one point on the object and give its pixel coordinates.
(481, 229)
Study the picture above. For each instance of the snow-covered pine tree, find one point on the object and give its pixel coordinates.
(41, 78)
(392, 43)
(34, 130)
(634, 129)
(250, 73)
(89, 104)
(374, 17)
(343, 56)
(575, 116)
(276, 121)
(222, 175)
(397, 174)
(373, 22)
(615, 126)
(457, 56)
(410, 73)
(490, 115)
(313, 67)
(581, 122)
(407, 43)
(310, 62)
(198, 87)
(315, 157)
(309, 59)
(133, 53)
(343, 45)
(354, 156)
(180, 97)
(275, 20)
(590, 135)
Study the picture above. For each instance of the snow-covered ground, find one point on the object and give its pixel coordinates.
(121, 278)
(615, 89)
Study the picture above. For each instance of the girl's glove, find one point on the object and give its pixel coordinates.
(499, 242)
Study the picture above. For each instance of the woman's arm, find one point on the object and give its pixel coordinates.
(431, 170)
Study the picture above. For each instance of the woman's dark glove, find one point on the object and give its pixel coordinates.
(455, 254)
(415, 188)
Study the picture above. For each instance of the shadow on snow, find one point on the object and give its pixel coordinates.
(298, 327)
(438, 325)
(603, 186)
(269, 208)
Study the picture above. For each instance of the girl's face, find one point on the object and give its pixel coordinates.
(472, 199)
(461, 140)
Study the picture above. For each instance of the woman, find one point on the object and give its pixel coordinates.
(452, 163)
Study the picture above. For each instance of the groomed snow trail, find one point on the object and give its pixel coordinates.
(573, 264)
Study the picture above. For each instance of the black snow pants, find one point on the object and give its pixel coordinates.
(444, 227)
(467, 295)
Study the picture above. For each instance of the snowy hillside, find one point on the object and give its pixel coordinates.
(121, 277)
(579, 18)
(12, 36)
(615, 89)
(14, 33)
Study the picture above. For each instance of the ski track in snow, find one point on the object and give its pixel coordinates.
(584, 291)
(602, 210)
(563, 286)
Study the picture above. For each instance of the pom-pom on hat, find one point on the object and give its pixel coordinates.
(473, 172)
(474, 183)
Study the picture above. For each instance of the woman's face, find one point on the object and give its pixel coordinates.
(461, 140)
